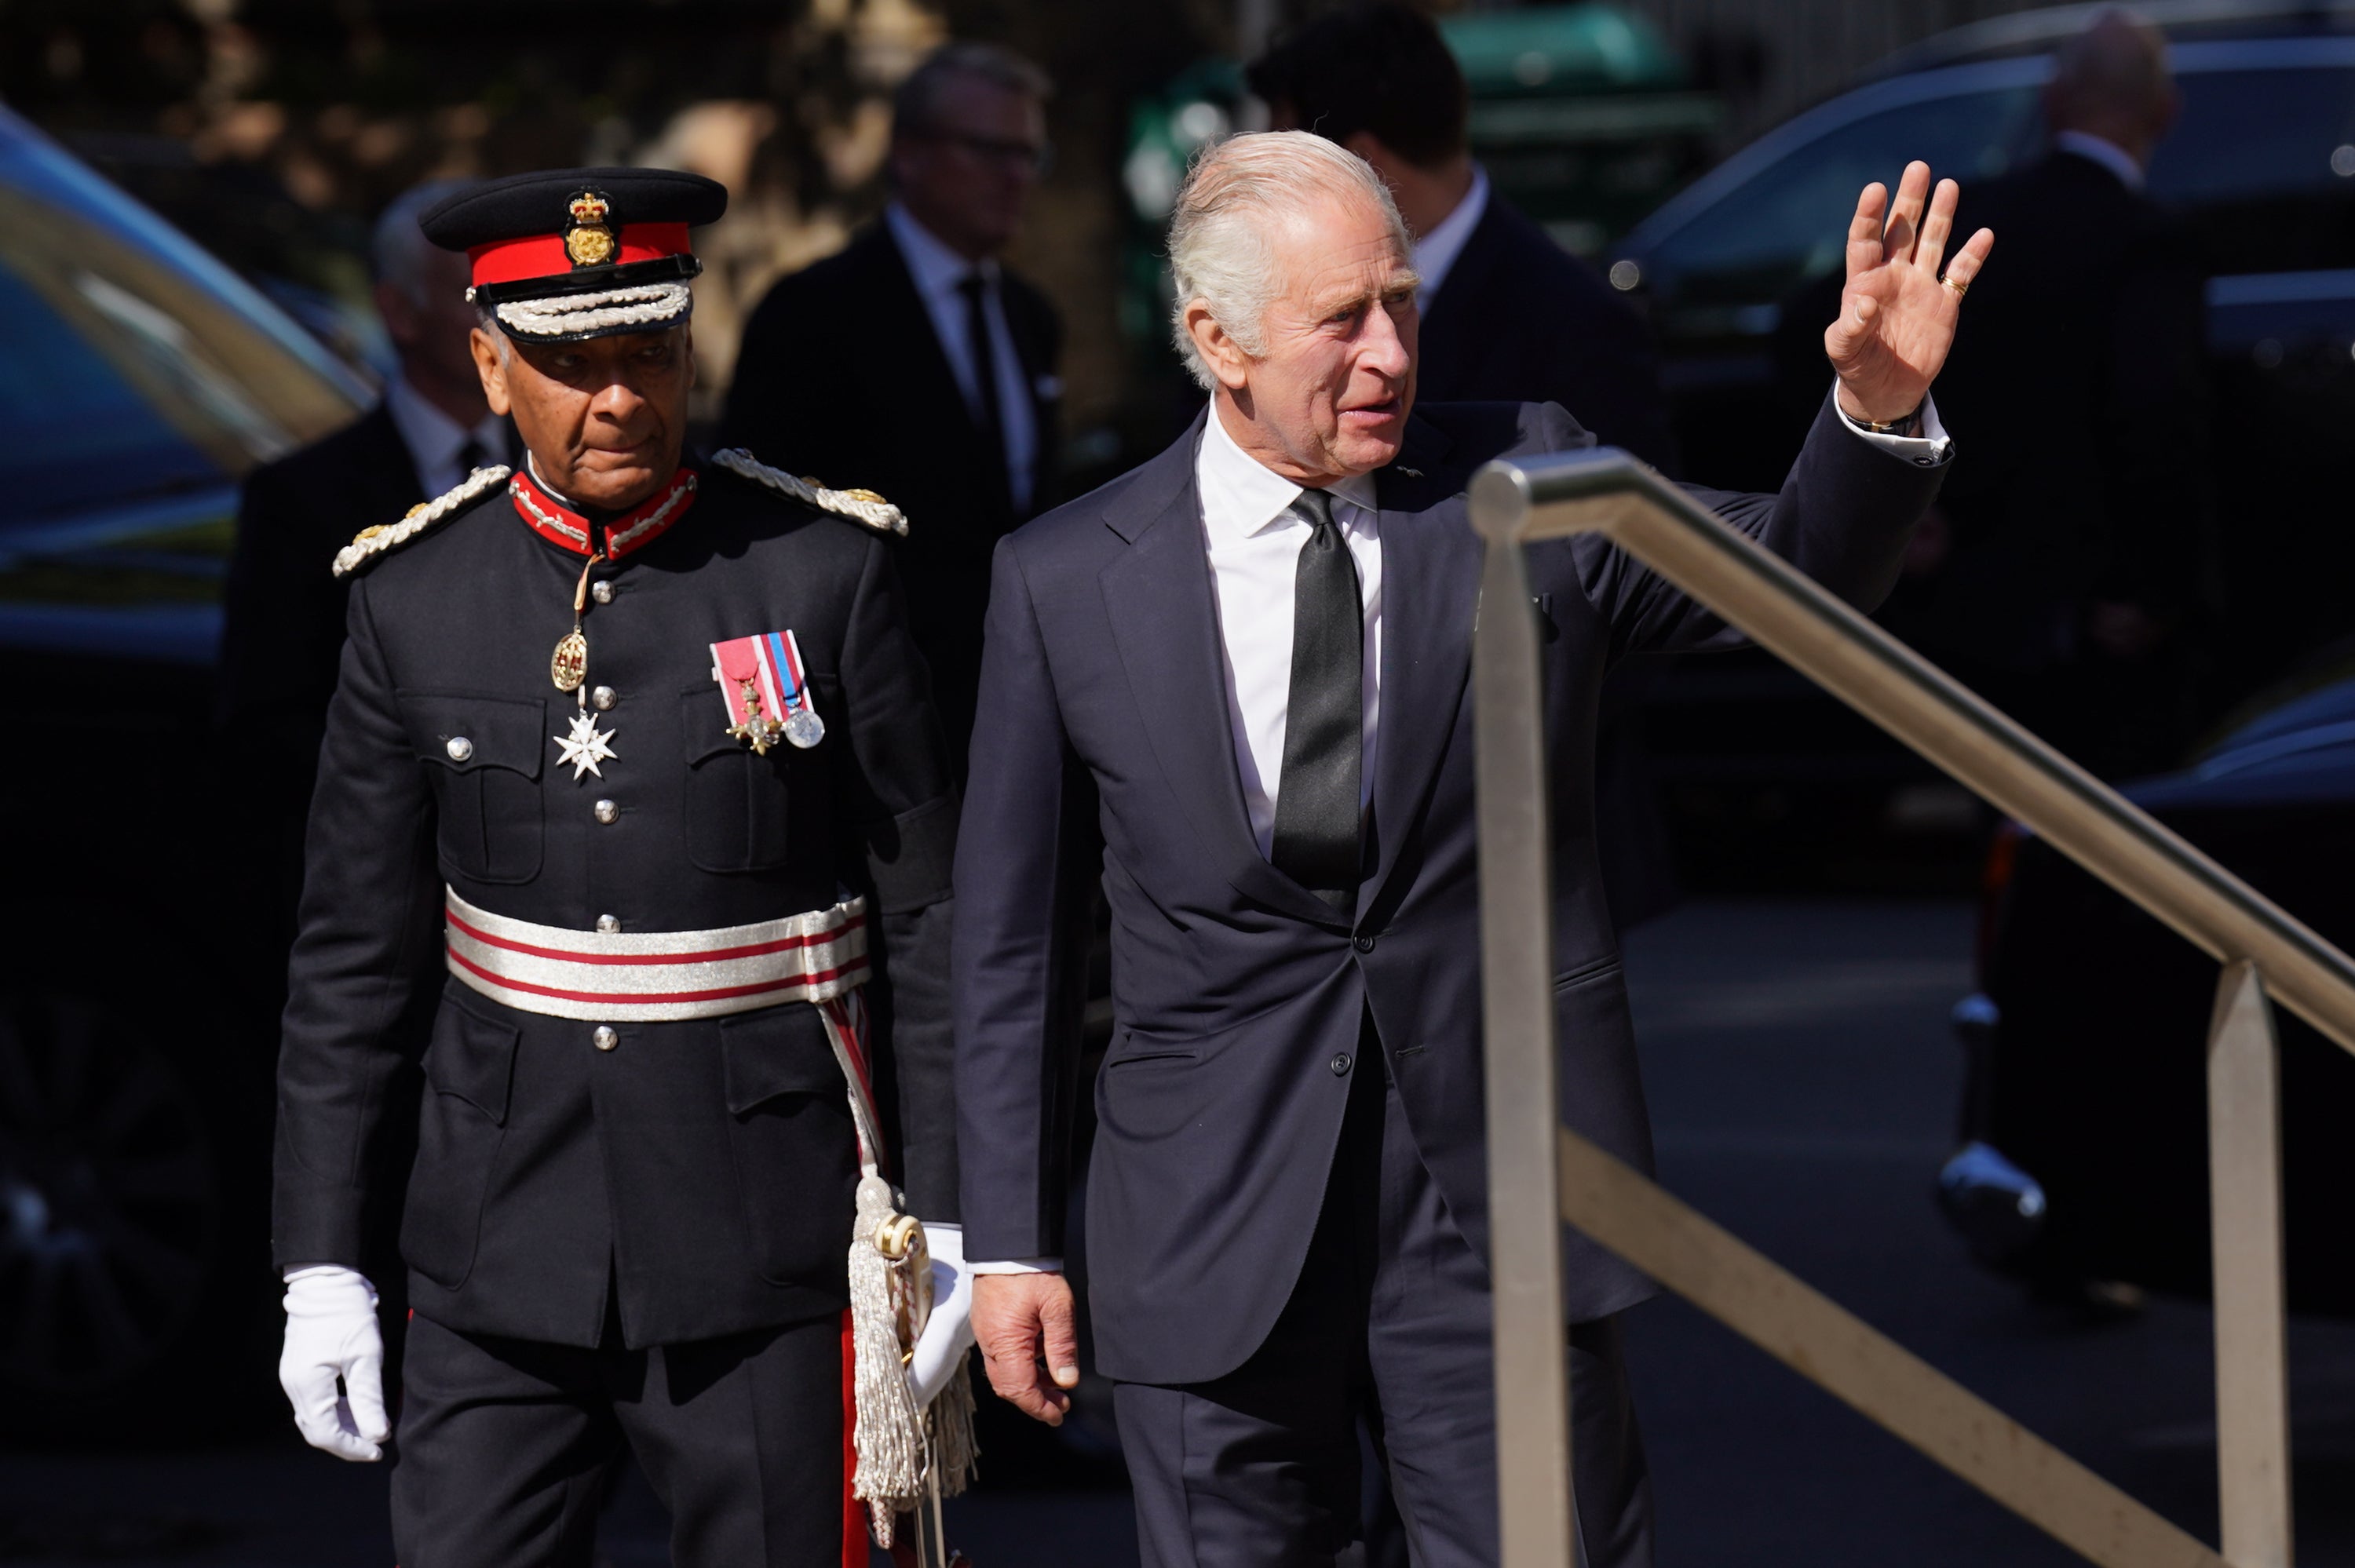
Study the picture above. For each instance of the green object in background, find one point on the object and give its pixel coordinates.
(1582, 115)
(1550, 51)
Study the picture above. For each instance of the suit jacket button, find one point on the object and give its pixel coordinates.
(1363, 944)
(607, 925)
(604, 1039)
(607, 812)
(1342, 1065)
(603, 698)
(459, 748)
(602, 591)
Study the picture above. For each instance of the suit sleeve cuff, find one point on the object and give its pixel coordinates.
(1928, 450)
(1017, 1266)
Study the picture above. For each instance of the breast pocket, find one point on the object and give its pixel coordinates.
(484, 754)
(736, 813)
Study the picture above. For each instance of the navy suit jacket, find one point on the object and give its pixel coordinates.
(1105, 748)
(1518, 317)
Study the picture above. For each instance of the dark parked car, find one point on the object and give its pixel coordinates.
(2086, 1112)
(2262, 167)
(139, 379)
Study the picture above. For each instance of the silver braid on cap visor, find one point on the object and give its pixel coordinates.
(652, 304)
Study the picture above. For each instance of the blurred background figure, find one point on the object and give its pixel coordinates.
(2068, 576)
(282, 629)
(1508, 314)
(915, 363)
(1507, 317)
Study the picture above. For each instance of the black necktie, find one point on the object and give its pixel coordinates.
(985, 356)
(1316, 811)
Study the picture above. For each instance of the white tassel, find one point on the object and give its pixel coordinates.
(891, 1430)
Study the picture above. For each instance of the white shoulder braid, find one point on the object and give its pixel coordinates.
(384, 538)
(858, 506)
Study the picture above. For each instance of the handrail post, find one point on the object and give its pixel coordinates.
(2252, 1475)
(1531, 1345)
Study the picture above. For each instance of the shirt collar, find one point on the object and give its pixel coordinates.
(1436, 254)
(1242, 496)
(934, 267)
(433, 438)
(2101, 150)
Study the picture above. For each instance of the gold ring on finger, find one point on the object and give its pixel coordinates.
(1960, 289)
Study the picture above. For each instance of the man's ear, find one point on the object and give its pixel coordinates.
(492, 369)
(1220, 351)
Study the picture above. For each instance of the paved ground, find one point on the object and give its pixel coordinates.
(1803, 1086)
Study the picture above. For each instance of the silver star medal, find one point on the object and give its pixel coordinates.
(586, 747)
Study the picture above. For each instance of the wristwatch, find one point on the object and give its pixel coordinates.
(1911, 425)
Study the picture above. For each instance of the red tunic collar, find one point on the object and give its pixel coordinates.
(634, 530)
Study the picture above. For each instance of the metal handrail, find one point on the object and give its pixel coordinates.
(1541, 1172)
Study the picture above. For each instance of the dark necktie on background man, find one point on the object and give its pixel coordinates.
(1316, 809)
(987, 414)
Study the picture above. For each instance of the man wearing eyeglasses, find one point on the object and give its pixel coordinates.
(916, 360)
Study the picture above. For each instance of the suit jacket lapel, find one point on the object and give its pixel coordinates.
(1163, 616)
(1431, 581)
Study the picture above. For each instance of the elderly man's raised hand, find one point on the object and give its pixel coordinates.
(1897, 317)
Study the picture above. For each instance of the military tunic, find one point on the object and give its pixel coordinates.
(691, 1177)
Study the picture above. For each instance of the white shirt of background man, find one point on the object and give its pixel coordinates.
(937, 271)
(434, 440)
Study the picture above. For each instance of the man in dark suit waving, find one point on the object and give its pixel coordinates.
(1234, 682)
(916, 360)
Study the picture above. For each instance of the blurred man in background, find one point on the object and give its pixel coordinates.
(283, 630)
(1507, 317)
(2067, 575)
(917, 361)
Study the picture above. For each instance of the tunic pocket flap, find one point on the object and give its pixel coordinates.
(472, 1057)
(463, 732)
(777, 1050)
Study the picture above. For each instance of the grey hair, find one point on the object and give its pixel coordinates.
(489, 320)
(1237, 193)
(916, 106)
(398, 249)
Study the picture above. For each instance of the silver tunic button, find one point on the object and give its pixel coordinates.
(460, 748)
(607, 812)
(604, 1039)
(602, 591)
(608, 924)
(602, 698)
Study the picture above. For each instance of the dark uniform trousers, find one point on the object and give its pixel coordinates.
(505, 1445)
(1388, 1325)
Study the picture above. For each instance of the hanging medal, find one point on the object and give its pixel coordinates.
(767, 691)
(586, 746)
(568, 666)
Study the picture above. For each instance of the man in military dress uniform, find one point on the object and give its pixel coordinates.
(649, 897)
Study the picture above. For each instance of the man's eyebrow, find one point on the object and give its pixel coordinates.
(1399, 285)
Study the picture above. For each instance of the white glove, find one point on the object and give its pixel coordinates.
(331, 1332)
(948, 1333)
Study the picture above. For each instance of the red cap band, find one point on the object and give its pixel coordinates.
(543, 255)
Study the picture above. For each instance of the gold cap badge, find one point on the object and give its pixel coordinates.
(589, 239)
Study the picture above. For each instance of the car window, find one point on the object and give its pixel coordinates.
(131, 363)
(2262, 164)
(1790, 220)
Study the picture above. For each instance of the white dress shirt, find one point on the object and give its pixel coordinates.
(936, 270)
(434, 440)
(1435, 253)
(2100, 150)
(1254, 543)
